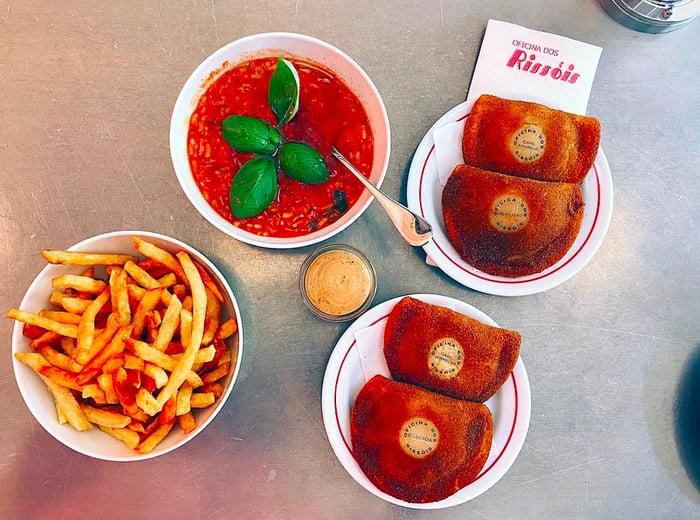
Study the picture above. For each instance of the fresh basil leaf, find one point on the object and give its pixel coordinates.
(303, 163)
(283, 93)
(253, 187)
(249, 134)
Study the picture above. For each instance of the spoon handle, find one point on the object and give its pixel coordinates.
(413, 228)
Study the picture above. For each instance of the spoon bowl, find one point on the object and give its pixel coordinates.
(414, 229)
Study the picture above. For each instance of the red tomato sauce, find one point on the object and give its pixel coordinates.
(329, 114)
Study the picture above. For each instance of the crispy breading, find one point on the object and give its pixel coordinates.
(417, 445)
(448, 352)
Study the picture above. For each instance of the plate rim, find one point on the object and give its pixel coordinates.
(450, 263)
(496, 469)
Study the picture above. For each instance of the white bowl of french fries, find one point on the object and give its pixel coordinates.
(126, 345)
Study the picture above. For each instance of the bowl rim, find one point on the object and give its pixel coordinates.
(185, 104)
(19, 343)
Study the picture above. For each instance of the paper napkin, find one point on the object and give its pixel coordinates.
(516, 61)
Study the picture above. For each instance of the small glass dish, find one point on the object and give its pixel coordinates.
(337, 282)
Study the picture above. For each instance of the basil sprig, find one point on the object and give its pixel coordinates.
(249, 134)
(254, 186)
(303, 163)
(283, 94)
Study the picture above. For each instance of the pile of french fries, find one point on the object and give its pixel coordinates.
(136, 352)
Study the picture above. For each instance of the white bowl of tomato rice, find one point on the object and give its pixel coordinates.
(338, 106)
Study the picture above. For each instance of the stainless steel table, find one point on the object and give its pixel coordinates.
(86, 94)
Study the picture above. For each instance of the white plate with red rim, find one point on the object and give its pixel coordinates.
(424, 196)
(344, 377)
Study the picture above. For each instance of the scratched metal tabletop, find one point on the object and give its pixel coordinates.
(613, 354)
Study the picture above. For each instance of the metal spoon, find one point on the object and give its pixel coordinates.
(414, 229)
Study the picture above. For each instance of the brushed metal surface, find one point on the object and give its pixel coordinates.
(87, 91)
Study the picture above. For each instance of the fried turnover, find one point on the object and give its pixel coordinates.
(510, 226)
(530, 140)
(417, 445)
(443, 350)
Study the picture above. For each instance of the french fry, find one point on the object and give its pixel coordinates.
(109, 418)
(48, 338)
(150, 442)
(127, 436)
(212, 317)
(159, 376)
(32, 331)
(147, 304)
(185, 327)
(136, 294)
(115, 346)
(150, 250)
(133, 362)
(79, 283)
(60, 316)
(226, 357)
(227, 329)
(68, 406)
(167, 414)
(61, 377)
(183, 399)
(169, 324)
(205, 354)
(220, 348)
(186, 422)
(160, 359)
(120, 296)
(103, 337)
(180, 290)
(54, 256)
(153, 322)
(208, 282)
(215, 388)
(217, 373)
(74, 305)
(147, 403)
(150, 354)
(64, 329)
(60, 416)
(202, 399)
(86, 327)
(104, 381)
(94, 392)
(167, 280)
(199, 309)
(141, 277)
(137, 426)
(113, 363)
(41, 366)
(68, 346)
(154, 268)
(127, 396)
(59, 359)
